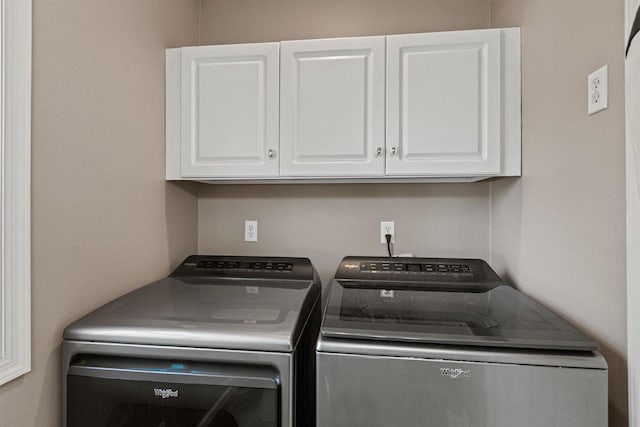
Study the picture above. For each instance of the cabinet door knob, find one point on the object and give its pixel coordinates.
(378, 151)
(271, 153)
(394, 150)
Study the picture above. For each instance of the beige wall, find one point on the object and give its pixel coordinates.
(243, 21)
(104, 221)
(559, 231)
(327, 222)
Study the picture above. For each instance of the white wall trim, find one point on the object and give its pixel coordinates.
(632, 97)
(15, 190)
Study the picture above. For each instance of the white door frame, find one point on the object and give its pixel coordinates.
(633, 225)
(15, 189)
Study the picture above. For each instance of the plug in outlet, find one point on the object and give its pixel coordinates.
(597, 90)
(251, 231)
(387, 227)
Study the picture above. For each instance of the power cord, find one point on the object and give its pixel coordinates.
(388, 237)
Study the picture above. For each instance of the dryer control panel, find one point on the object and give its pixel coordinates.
(240, 265)
(245, 267)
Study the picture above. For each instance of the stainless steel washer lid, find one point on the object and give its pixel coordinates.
(212, 302)
(440, 305)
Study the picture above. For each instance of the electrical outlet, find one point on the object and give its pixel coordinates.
(598, 90)
(387, 227)
(251, 231)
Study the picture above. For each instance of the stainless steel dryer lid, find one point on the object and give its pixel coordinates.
(246, 303)
(436, 301)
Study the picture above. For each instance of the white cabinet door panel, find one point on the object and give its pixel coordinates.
(332, 107)
(444, 103)
(230, 110)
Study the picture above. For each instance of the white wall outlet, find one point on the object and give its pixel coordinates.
(598, 90)
(251, 231)
(387, 227)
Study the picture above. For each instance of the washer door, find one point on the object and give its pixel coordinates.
(120, 392)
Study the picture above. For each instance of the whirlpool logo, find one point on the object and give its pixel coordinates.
(455, 373)
(165, 393)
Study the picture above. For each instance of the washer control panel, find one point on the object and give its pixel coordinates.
(415, 267)
(467, 274)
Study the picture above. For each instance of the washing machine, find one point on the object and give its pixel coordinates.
(222, 342)
(445, 343)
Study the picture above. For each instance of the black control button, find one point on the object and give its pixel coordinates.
(364, 266)
(398, 266)
(373, 266)
(429, 268)
(386, 266)
(289, 267)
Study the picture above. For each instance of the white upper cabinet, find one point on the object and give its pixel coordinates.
(411, 107)
(332, 107)
(229, 110)
(444, 104)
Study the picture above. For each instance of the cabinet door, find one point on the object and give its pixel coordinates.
(444, 104)
(229, 110)
(332, 107)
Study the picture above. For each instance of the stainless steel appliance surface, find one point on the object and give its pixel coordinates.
(444, 342)
(223, 341)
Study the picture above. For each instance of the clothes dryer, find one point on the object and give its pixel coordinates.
(223, 341)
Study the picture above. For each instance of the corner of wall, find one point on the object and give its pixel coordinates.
(199, 35)
(490, 223)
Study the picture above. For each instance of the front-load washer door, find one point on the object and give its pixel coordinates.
(121, 392)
